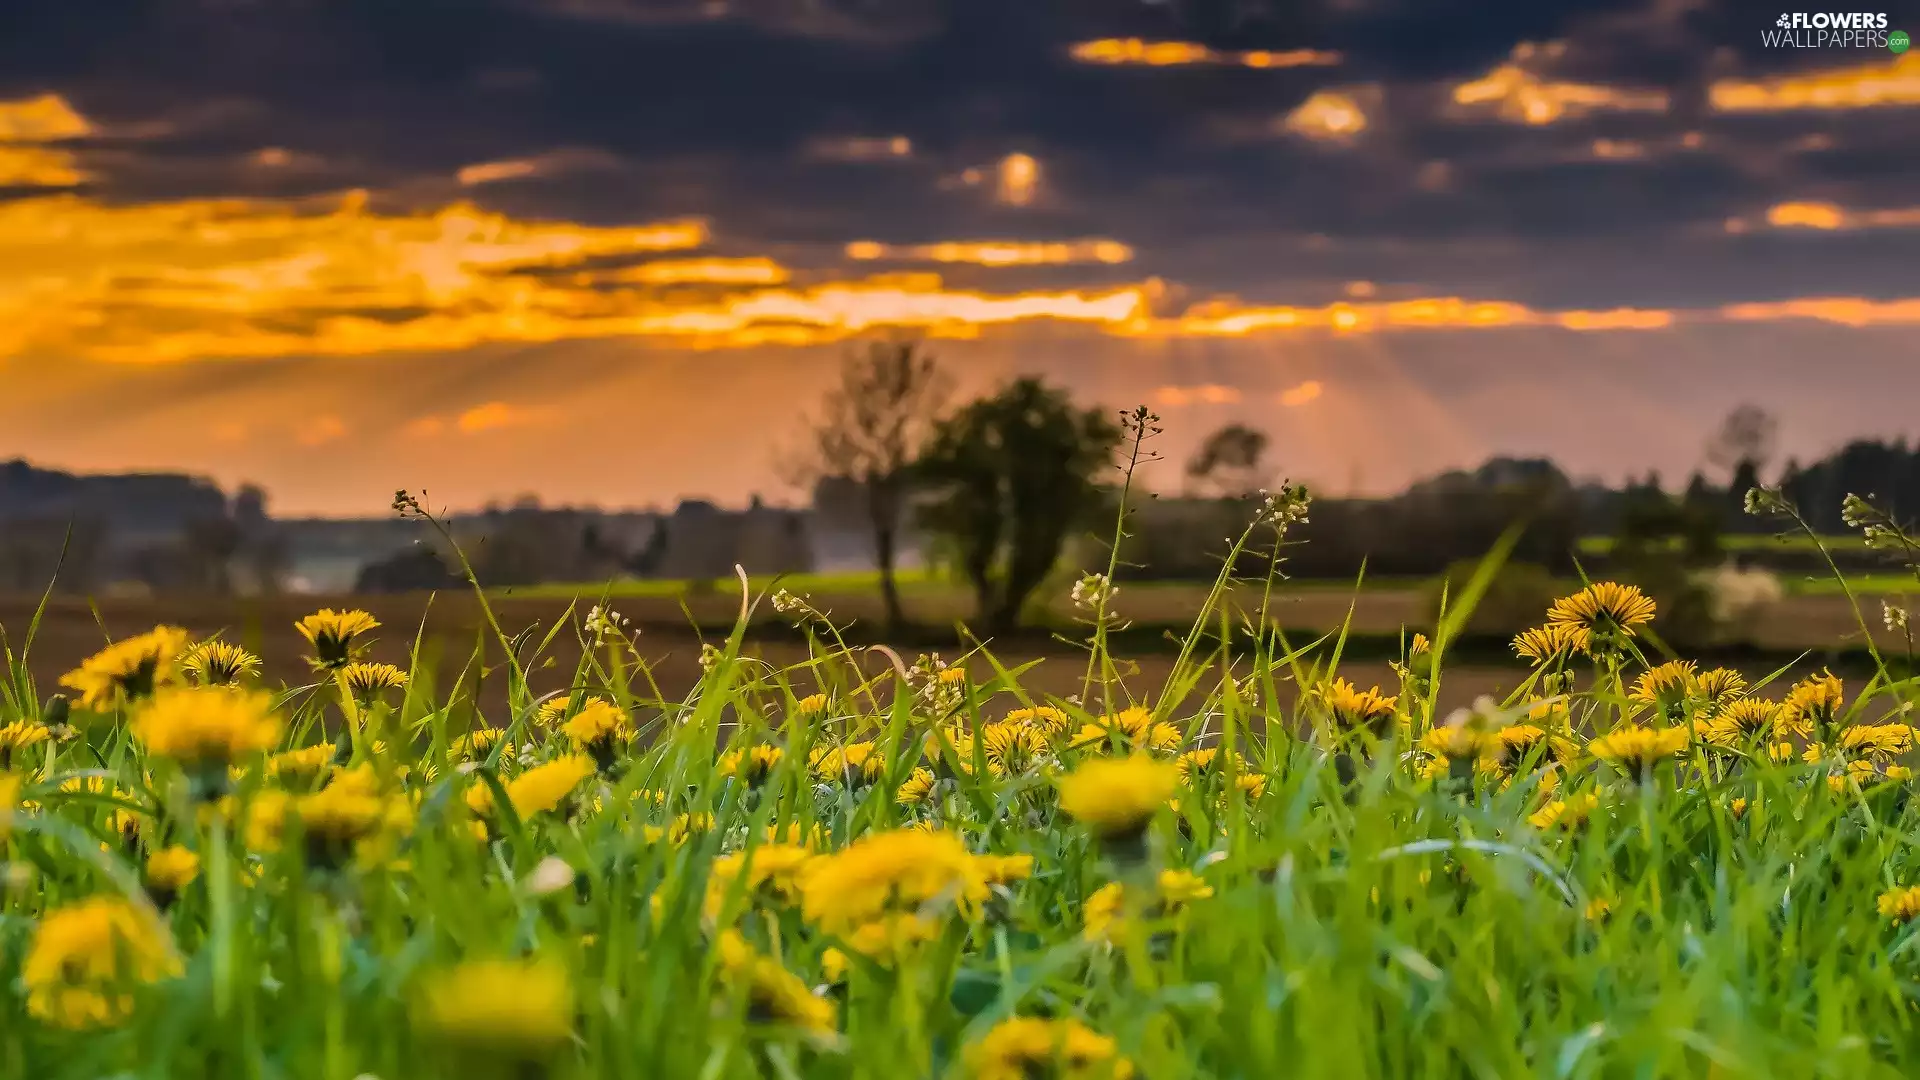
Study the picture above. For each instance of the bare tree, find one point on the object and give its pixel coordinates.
(1745, 437)
(870, 431)
(1230, 462)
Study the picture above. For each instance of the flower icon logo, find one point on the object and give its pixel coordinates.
(1783, 22)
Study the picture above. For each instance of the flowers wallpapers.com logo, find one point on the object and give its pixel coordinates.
(1834, 29)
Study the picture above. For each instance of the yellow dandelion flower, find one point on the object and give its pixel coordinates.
(1720, 685)
(86, 958)
(478, 744)
(1117, 797)
(1738, 807)
(1636, 749)
(171, 869)
(1599, 910)
(1900, 905)
(1744, 720)
(10, 785)
(682, 828)
(130, 670)
(554, 710)
(885, 872)
(1458, 742)
(1133, 728)
(1815, 702)
(299, 768)
(1048, 720)
(335, 635)
(1543, 644)
(1011, 749)
(1886, 740)
(342, 821)
(1021, 1048)
(855, 763)
(598, 728)
(773, 994)
(1667, 685)
(219, 663)
(20, 735)
(369, 682)
(1567, 813)
(1604, 609)
(891, 939)
(770, 873)
(916, 789)
(1355, 708)
(539, 790)
(953, 675)
(811, 705)
(517, 1008)
(201, 725)
(753, 764)
(1005, 869)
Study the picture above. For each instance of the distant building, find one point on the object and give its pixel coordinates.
(704, 542)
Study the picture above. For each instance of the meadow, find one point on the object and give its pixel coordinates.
(823, 857)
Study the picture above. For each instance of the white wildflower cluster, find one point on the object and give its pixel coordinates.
(1765, 502)
(1896, 617)
(1093, 591)
(603, 623)
(1282, 509)
(939, 687)
(797, 607)
(709, 657)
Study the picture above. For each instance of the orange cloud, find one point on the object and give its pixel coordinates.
(27, 124)
(1204, 394)
(861, 148)
(493, 172)
(1135, 51)
(1516, 91)
(47, 118)
(1019, 179)
(1329, 115)
(752, 270)
(320, 431)
(1866, 86)
(1295, 396)
(1225, 318)
(495, 415)
(1829, 216)
(1846, 310)
(997, 252)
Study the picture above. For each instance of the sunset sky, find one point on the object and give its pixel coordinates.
(610, 251)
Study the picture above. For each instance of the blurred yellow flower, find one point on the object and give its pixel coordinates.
(1022, 1048)
(1565, 813)
(855, 763)
(130, 670)
(1900, 905)
(916, 789)
(1116, 797)
(86, 958)
(538, 790)
(1886, 740)
(518, 1008)
(1745, 720)
(1666, 685)
(753, 764)
(811, 705)
(20, 735)
(478, 744)
(886, 872)
(1815, 702)
(171, 869)
(1046, 719)
(597, 727)
(769, 873)
(206, 725)
(1133, 728)
(773, 994)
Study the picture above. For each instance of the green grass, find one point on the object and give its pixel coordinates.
(1363, 907)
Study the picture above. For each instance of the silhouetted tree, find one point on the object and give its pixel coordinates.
(1009, 477)
(1746, 434)
(1230, 461)
(872, 426)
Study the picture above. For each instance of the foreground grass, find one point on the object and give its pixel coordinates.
(1631, 868)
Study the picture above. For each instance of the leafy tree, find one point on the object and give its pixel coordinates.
(872, 427)
(1008, 478)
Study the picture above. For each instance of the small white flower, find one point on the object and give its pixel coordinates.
(552, 875)
(1093, 591)
(1284, 508)
(1896, 617)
